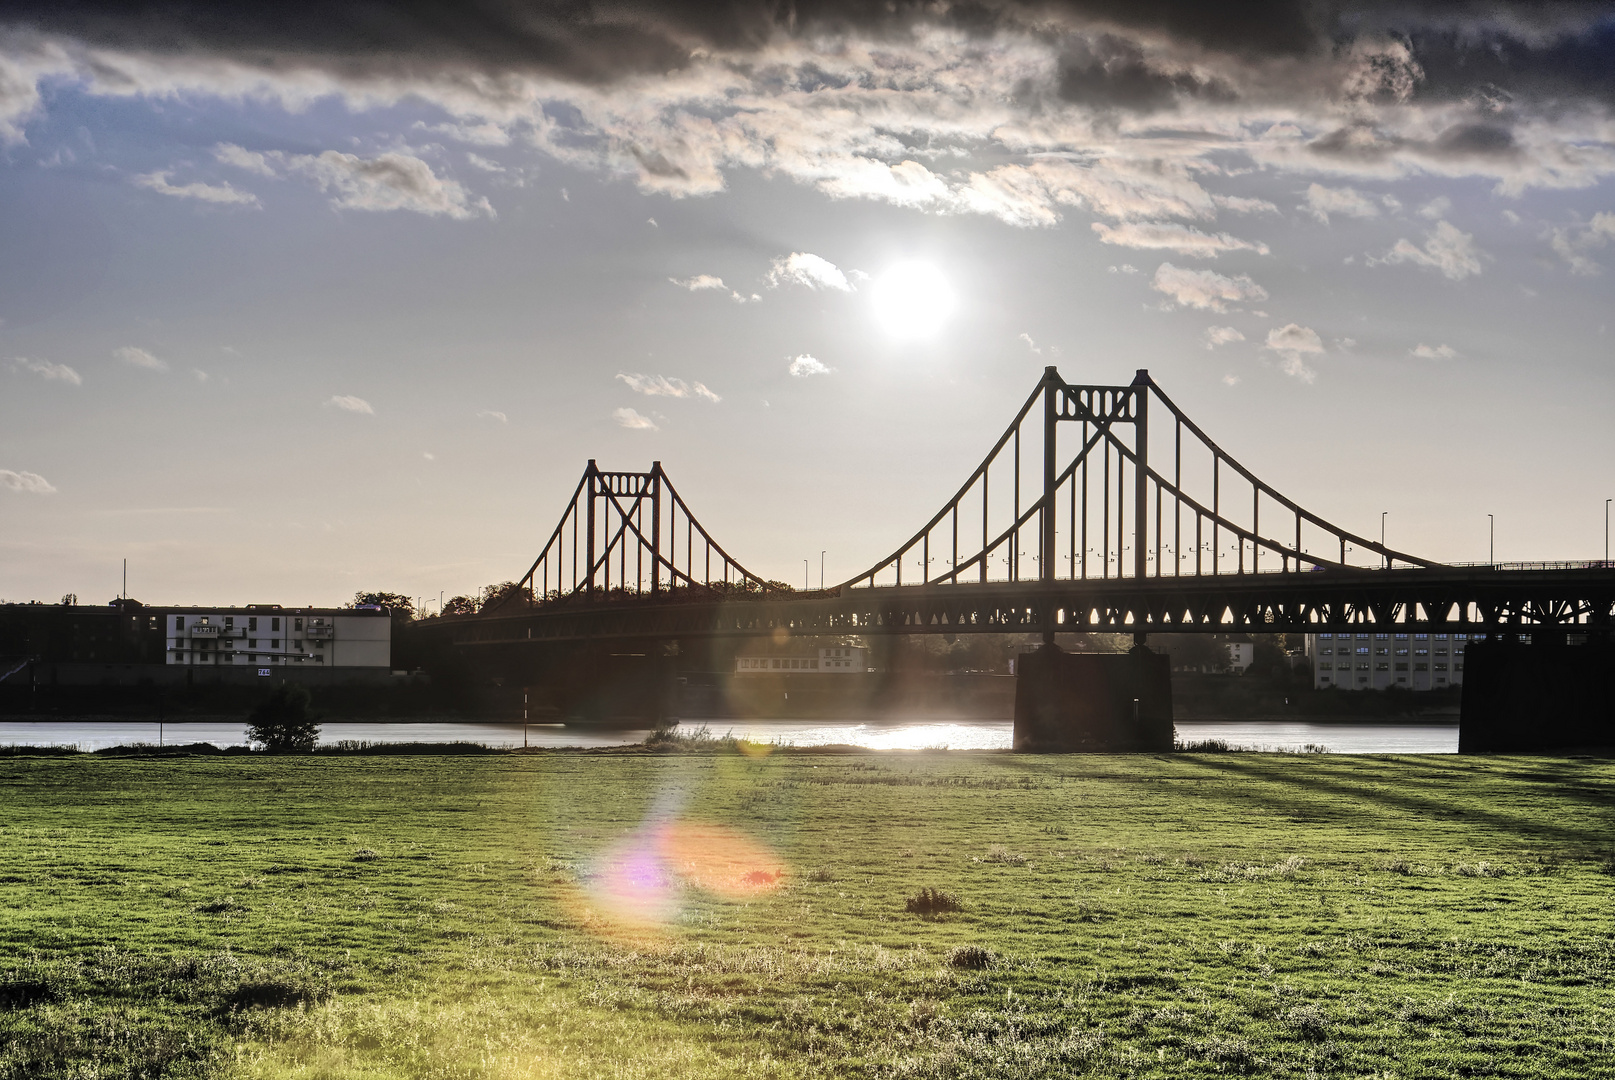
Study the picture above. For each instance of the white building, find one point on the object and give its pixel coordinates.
(1375, 661)
(267, 636)
(835, 660)
(1240, 655)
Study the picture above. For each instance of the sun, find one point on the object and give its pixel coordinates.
(913, 299)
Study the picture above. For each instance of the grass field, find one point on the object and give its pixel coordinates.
(723, 915)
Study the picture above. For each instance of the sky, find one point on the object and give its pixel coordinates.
(343, 296)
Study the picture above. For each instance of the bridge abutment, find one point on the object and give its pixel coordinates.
(1093, 702)
(1548, 696)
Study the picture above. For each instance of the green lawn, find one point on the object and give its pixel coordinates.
(628, 915)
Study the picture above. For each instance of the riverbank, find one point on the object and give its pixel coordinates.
(787, 915)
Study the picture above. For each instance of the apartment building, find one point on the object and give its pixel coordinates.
(270, 637)
(1379, 661)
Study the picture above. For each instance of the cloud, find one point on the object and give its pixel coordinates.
(477, 161)
(806, 366)
(26, 482)
(1292, 343)
(1205, 289)
(1124, 268)
(1323, 201)
(1572, 244)
(47, 370)
(1230, 380)
(349, 403)
(1440, 352)
(662, 386)
(213, 193)
(802, 268)
(492, 414)
(629, 418)
(1016, 109)
(699, 282)
(1030, 344)
(1221, 335)
(199, 375)
(1446, 249)
(391, 181)
(1173, 237)
(140, 358)
(242, 158)
(1436, 208)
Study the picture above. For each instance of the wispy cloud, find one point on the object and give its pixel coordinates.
(1205, 289)
(29, 483)
(389, 181)
(805, 366)
(704, 282)
(45, 369)
(1446, 248)
(803, 268)
(140, 358)
(1030, 344)
(662, 386)
(349, 403)
(1573, 243)
(213, 193)
(1294, 343)
(631, 418)
(493, 414)
(1169, 236)
(1221, 335)
(1440, 352)
(1348, 202)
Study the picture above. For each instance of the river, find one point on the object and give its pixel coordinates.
(1274, 736)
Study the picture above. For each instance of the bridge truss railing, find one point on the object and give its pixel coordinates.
(631, 532)
(1201, 513)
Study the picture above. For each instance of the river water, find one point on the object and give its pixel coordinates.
(1274, 736)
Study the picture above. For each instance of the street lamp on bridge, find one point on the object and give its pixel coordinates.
(1491, 550)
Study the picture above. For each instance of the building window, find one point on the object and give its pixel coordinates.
(1382, 667)
(1441, 666)
(1381, 651)
(1421, 667)
(1457, 667)
(229, 621)
(252, 623)
(1362, 650)
(274, 643)
(252, 658)
(179, 622)
(1401, 667)
(1401, 637)
(274, 624)
(297, 624)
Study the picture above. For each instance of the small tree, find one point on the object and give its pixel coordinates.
(282, 722)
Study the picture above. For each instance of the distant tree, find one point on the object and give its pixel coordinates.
(70, 599)
(460, 605)
(1199, 652)
(495, 595)
(282, 722)
(394, 602)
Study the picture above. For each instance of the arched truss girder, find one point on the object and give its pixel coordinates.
(1134, 506)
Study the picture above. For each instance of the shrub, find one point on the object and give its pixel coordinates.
(282, 722)
(971, 957)
(364, 854)
(929, 901)
(823, 873)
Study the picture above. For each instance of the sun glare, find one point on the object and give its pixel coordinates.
(913, 299)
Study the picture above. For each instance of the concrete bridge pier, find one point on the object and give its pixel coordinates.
(1093, 702)
(1553, 695)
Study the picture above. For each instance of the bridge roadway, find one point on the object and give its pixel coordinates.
(1542, 598)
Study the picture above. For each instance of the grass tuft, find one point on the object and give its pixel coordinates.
(998, 853)
(972, 957)
(929, 901)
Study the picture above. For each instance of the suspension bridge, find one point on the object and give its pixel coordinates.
(1143, 524)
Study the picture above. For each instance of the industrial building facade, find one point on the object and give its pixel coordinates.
(261, 636)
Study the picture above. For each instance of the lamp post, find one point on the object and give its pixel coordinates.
(1491, 551)
(1606, 530)
(1382, 516)
(821, 558)
(804, 575)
